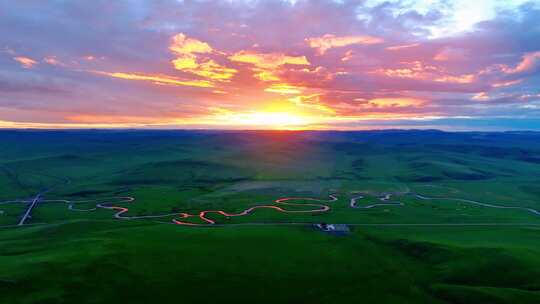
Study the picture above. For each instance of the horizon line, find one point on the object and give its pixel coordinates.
(276, 130)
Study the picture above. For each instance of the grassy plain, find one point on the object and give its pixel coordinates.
(461, 252)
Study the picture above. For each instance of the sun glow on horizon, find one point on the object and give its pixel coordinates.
(273, 120)
(273, 116)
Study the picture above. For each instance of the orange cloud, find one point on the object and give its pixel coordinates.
(268, 60)
(211, 69)
(466, 78)
(403, 73)
(266, 63)
(282, 88)
(415, 70)
(159, 79)
(181, 44)
(312, 101)
(185, 63)
(265, 75)
(189, 51)
(394, 102)
(208, 69)
(328, 41)
(26, 62)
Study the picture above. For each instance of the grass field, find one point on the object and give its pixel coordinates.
(444, 249)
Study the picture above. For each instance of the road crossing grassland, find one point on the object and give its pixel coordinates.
(28, 211)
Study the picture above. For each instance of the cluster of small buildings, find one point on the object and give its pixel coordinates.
(339, 229)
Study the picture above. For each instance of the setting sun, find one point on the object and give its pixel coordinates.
(272, 120)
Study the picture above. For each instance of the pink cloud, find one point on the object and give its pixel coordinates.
(530, 62)
(25, 62)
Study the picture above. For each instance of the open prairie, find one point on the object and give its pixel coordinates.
(196, 216)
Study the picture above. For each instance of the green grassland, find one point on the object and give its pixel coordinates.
(440, 250)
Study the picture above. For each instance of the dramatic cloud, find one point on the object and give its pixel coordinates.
(158, 79)
(188, 50)
(269, 63)
(265, 65)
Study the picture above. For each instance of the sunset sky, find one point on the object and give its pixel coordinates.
(456, 65)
